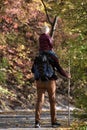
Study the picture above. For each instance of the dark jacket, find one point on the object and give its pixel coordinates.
(45, 42)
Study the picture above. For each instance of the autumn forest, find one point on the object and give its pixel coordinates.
(20, 24)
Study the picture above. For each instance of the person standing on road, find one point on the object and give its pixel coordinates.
(46, 46)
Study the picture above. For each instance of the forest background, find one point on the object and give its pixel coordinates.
(20, 24)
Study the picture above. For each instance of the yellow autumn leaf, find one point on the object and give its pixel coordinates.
(21, 47)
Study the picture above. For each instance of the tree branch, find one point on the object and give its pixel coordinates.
(48, 18)
(54, 23)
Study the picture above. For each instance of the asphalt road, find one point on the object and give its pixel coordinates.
(25, 119)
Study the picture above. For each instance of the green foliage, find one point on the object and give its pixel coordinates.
(79, 125)
(2, 77)
(4, 63)
(2, 7)
(81, 97)
(2, 39)
(4, 91)
(19, 77)
(14, 38)
(3, 66)
(11, 38)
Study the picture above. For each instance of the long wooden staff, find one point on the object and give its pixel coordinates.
(54, 24)
(69, 97)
